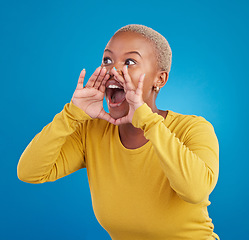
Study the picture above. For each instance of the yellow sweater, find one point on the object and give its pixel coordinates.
(156, 192)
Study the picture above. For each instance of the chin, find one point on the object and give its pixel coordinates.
(119, 112)
(117, 115)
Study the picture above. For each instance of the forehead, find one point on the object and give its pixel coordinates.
(123, 42)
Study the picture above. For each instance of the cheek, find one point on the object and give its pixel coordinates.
(148, 87)
(135, 75)
(148, 83)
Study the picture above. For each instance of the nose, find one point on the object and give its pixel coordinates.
(119, 69)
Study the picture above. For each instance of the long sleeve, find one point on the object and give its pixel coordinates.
(57, 150)
(190, 164)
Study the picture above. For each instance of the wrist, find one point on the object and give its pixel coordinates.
(136, 106)
(76, 113)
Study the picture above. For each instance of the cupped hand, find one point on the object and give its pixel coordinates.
(90, 98)
(133, 95)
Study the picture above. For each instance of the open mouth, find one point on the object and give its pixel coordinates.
(115, 94)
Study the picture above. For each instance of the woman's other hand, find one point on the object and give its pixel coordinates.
(133, 95)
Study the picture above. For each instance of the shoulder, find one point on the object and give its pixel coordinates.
(188, 126)
(174, 118)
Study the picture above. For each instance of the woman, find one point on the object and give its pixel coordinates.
(150, 171)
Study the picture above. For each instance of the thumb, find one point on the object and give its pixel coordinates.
(106, 116)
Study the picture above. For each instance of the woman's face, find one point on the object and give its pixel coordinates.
(135, 51)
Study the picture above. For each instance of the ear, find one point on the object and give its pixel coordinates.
(161, 79)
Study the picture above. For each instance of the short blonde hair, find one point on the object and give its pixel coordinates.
(163, 50)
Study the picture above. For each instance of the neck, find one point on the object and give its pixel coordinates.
(131, 137)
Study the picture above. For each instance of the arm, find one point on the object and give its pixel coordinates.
(57, 150)
(191, 165)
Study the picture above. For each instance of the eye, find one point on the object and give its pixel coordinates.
(107, 60)
(129, 61)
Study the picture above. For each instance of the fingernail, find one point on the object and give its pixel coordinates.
(144, 75)
(115, 69)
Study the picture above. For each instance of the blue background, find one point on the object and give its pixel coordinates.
(43, 47)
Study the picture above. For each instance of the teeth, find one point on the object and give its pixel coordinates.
(114, 86)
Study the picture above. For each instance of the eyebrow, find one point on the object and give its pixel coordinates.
(136, 52)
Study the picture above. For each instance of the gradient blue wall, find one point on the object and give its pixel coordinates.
(43, 47)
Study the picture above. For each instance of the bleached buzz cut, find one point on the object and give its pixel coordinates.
(163, 50)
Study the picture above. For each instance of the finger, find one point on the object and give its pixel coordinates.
(102, 86)
(128, 82)
(117, 76)
(122, 120)
(81, 79)
(93, 78)
(100, 78)
(140, 85)
(106, 116)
